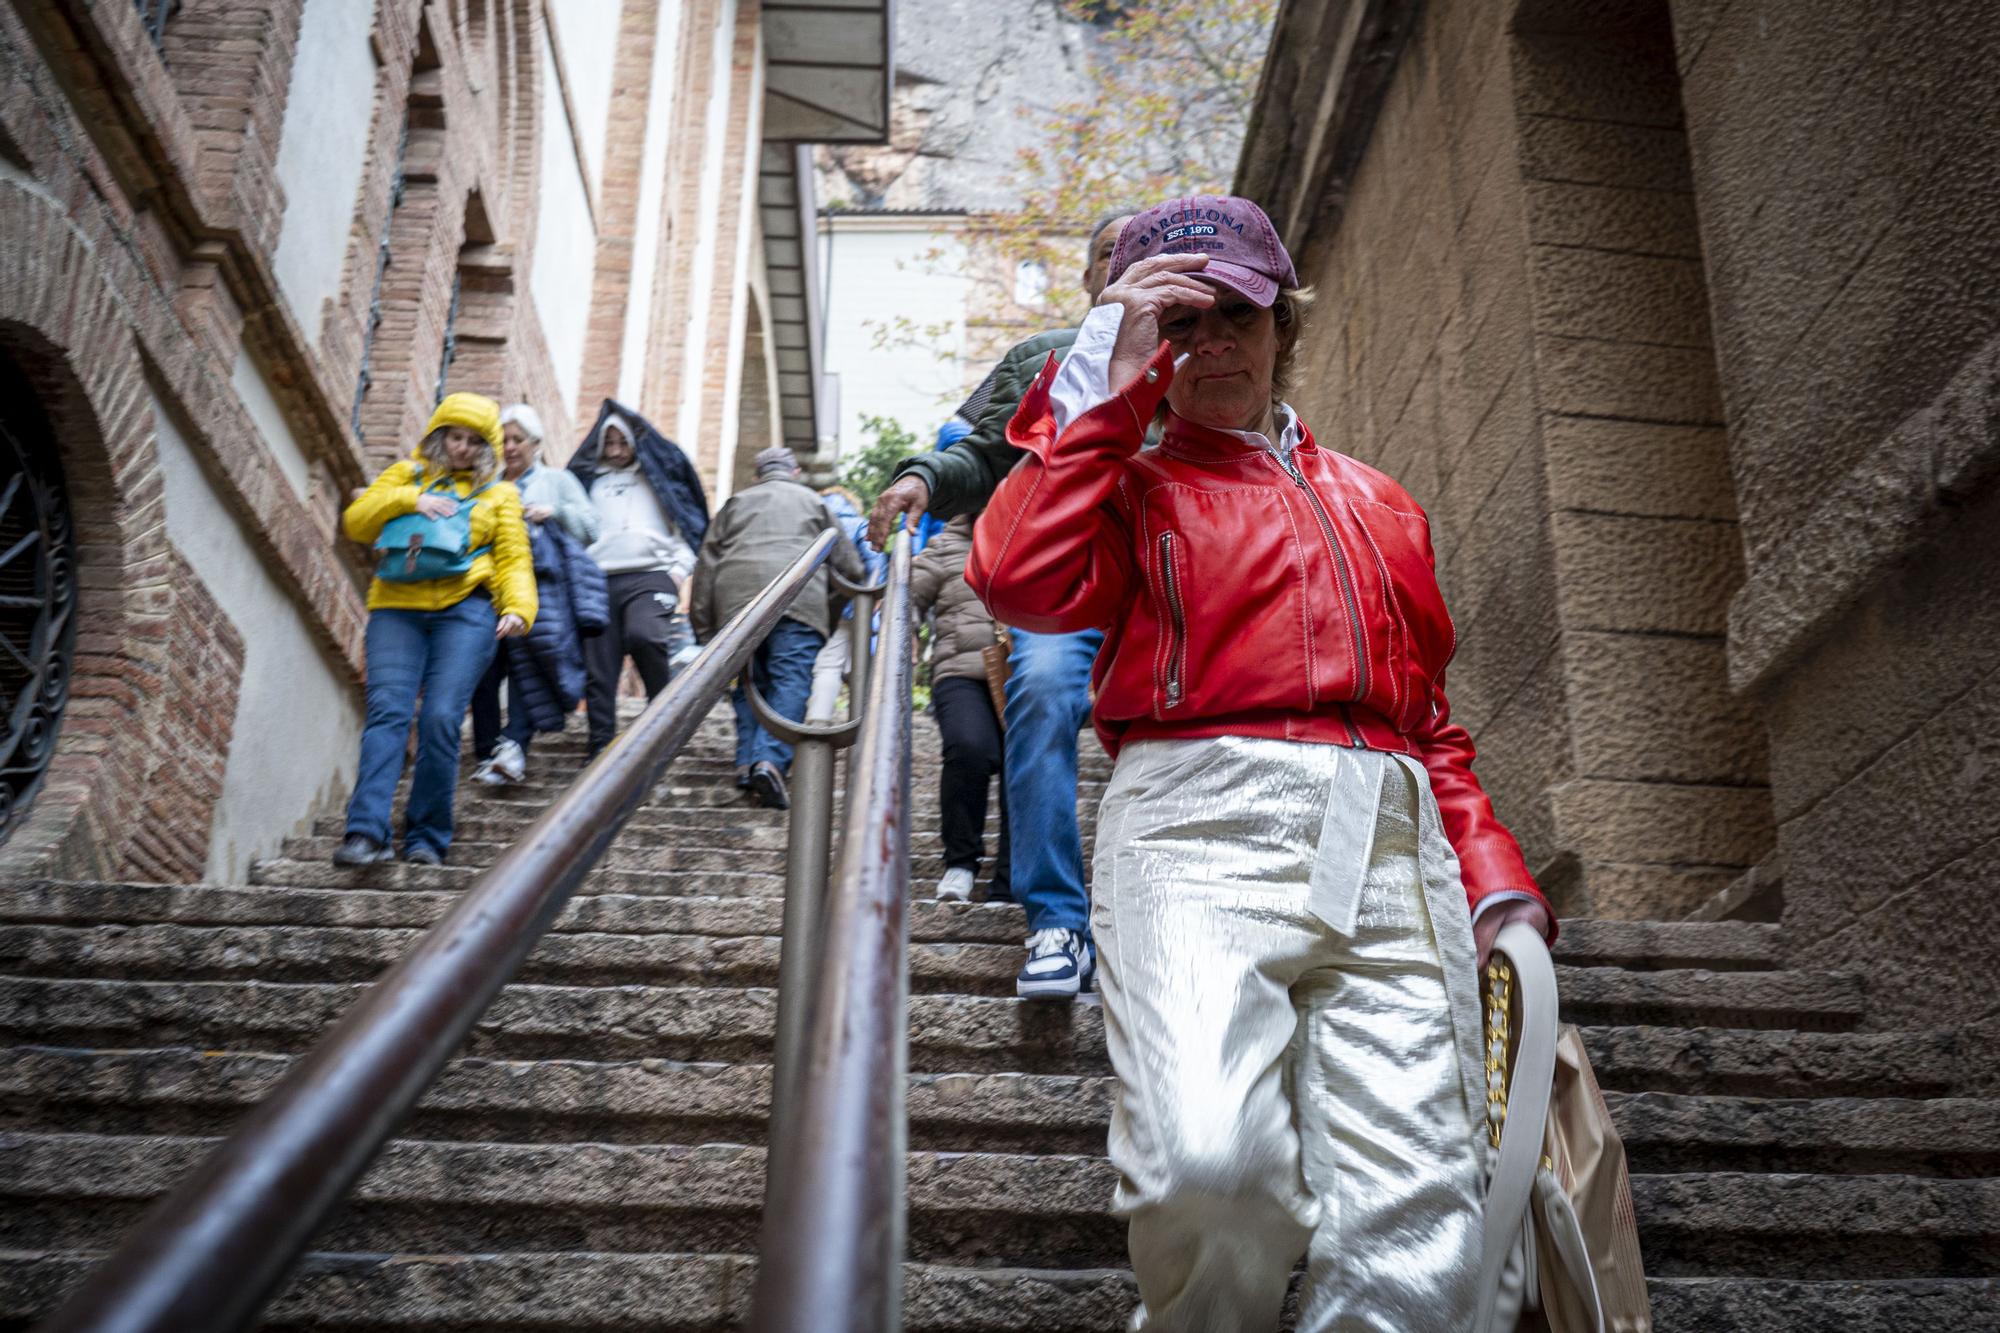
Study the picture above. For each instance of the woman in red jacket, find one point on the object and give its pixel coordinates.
(1293, 833)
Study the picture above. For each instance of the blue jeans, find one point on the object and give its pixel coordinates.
(440, 655)
(783, 670)
(1048, 701)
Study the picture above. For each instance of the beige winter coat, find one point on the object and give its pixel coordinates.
(937, 583)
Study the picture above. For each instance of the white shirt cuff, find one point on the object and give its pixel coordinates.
(1084, 381)
(1504, 896)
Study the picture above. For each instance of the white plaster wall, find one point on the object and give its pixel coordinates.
(261, 400)
(321, 152)
(297, 736)
(697, 339)
(652, 217)
(747, 233)
(587, 31)
(565, 254)
(873, 276)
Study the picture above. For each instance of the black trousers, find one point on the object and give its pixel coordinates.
(643, 605)
(486, 728)
(973, 755)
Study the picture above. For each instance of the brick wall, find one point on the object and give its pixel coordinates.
(190, 741)
(140, 226)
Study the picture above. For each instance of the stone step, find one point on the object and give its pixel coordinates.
(747, 827)
(509, 819)
(629, 914)
(173, 951)
(925, 870)
(682, 781)
(947, 1032)
(1640, 946)
(285, 873)
(1044, 1210)
(686, 1293)
(182, 1091)
(316, 953)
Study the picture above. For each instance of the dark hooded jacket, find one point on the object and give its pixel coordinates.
(668, 470)
(545, 672)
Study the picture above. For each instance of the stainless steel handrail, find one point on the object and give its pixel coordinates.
(809, 843)
(215, 1249)
(831, 1251)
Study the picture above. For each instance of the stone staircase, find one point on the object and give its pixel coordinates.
(595, 1158)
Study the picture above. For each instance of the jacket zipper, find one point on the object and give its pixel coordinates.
(1347, 593)
(1177, 649)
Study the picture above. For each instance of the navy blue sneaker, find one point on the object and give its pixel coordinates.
(1058, 967)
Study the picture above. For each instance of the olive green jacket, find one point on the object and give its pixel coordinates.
(964, 476)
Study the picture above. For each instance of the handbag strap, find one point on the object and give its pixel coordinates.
(1517, 1109)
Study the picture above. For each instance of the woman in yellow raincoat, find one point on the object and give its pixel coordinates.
(452, 578)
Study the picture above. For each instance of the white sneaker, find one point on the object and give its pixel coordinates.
(487, 776)
(956, 886)
(508, 761)
(1058, 966)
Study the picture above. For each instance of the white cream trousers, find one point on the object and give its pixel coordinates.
(1287, 1088)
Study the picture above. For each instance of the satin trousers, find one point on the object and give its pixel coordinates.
(1286, 1089)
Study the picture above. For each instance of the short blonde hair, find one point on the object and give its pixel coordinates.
(1289, 313)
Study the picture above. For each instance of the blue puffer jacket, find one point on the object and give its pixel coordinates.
(545, 670)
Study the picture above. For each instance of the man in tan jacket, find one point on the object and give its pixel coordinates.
(755, 538)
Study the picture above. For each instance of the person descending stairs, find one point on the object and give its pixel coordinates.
(594, 1159)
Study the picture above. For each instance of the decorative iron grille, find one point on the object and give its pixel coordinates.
(37, 617)
(383, 260)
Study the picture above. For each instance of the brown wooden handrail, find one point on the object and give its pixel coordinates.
(831, 1252)
(211, 1253)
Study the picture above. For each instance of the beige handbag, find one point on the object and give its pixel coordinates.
(1562, 1241)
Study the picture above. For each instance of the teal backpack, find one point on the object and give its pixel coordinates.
(417, 549)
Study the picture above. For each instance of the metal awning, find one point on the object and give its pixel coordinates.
(791, 260)
(827, 70)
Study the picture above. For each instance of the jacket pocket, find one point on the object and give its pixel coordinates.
(1174, 688)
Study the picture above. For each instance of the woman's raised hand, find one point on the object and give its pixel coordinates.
(1148, 290)
(436, 506)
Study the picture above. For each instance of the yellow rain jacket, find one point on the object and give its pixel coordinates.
(505, 569)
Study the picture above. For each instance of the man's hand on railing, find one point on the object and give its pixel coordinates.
(906, 500)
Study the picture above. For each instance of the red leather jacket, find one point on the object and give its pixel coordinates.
(1240, 595)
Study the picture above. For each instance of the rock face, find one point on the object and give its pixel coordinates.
(595, 1158)
(973, 82)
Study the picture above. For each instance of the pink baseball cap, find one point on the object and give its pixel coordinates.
(1243, 249)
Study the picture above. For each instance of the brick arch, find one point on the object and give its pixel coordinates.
(63, 325)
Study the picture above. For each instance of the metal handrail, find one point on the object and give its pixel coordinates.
(831, 1250)
(809, 843)
(215, 1249)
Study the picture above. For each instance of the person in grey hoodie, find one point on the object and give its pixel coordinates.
(646, 551)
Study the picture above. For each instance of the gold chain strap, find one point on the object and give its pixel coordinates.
(1499, 995)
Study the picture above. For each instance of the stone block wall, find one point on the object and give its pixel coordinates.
(1513, 322)
(1848, 177)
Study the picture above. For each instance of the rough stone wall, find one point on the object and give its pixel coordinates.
(1848, 178)
(1512, 323)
